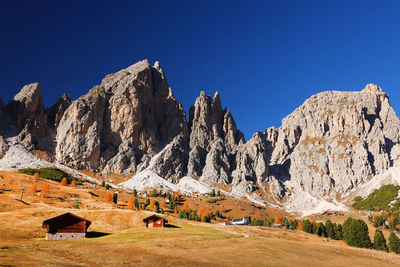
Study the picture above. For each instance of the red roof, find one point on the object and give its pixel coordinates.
(64, 217)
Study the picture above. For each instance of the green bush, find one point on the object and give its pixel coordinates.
(377, 200)
(380, 241)
(53, 174)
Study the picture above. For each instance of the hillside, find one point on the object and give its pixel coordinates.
(119, 237)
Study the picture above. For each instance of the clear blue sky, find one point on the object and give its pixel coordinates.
(264, 57)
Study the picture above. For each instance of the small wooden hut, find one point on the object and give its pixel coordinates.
(155, 221)
(66, 226)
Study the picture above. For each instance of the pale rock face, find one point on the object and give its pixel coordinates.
(210, 124)
(217, 169)
(121, 123)
(336, 140)
(27, 112)
(372, 88)
(171, 161)
(3, 147)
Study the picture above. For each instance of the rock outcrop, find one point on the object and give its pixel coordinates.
(28, 114)
(120, 124)
(333, 142)
(212, 129)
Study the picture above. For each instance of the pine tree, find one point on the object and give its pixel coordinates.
(346, 228)
(339, 233)
(394, 243)
(330, 229)
(115, 198)
(380, 241)
(212, 193)
(64, 181)
(307, 227)
(134, 192)
(136, 202)
(355, 233)
(154, 192)
(103, 184)
(321, 230)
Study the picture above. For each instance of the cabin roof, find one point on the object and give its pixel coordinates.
(59, 218)
(154, 216)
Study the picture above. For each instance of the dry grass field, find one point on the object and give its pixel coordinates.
(119, 238)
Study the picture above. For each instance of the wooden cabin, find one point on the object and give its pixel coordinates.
(66, 226)
(155, 221)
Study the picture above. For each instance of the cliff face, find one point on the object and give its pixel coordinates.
(121, 123)
(132, 122)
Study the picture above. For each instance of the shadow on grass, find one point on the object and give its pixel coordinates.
(170, 226)
(95, 234)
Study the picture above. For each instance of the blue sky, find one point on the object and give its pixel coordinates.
(264, 57)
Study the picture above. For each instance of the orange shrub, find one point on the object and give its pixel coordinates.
(186, 206)
(300, 226)
(45, 191)
(176, 210)
(108, 197)
(36, 176)
(152, 204)
(130, 203)
(73, 183)
(163, 203)
(64, 181)
(277, 220)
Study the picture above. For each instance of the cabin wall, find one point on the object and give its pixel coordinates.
(58, 236)
(155, 223)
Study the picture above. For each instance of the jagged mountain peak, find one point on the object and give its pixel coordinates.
(372, 88)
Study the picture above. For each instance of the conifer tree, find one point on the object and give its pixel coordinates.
(307, 227)
(136, 202)
(321, 230)
(394, 243)
(380, 241)
(330, 229)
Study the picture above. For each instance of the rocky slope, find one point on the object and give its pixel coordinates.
(131, 122)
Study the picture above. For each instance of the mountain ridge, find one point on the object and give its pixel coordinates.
(131, 122)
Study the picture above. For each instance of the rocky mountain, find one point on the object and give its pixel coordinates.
(132, 123)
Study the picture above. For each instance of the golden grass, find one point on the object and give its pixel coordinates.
(191, 243)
